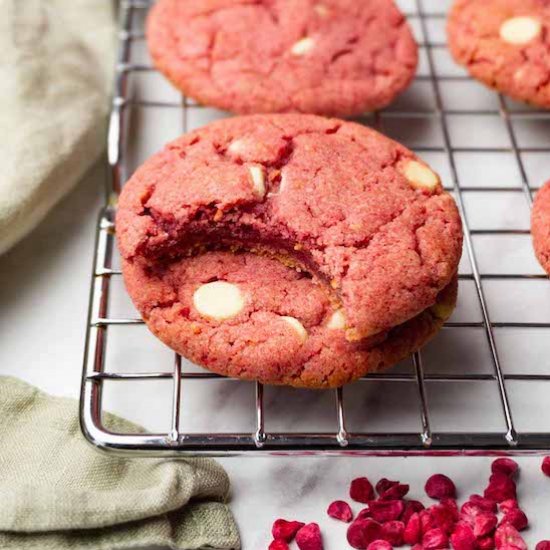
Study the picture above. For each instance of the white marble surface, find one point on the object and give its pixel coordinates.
(44, 293)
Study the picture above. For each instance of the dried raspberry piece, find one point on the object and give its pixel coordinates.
(397, 492)
(486, 504)
(486, 543)
(543, 545)
(545, 466)
(417, 547)
(500, 488)
(364, 513)
(505, 466)
(517, 518)
(506, 505)
(463, 538)
(386, 510)
(435, 539)
(444, 517)
(384, 484)
(340, 510)
(361, 490)
(285, 530)
(379, 545)
(484, 524)
(413, 530)
(468, 513)
(440, 486)
(309, 537)
(411, 506)
(392, 531)
(278, 544)
(362, 532)
(507, 536)
(426, 520)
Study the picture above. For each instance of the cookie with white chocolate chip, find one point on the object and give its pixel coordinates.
(331, 57)
(540, 226)
(251, 317)
(355, 209)
(504, 44)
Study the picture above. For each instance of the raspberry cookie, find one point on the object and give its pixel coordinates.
(332, 57)
(359, 211)
(540, 226)
(504, 43)
(251, 317)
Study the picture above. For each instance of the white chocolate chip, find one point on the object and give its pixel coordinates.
(419, 175)
(302, 46)
(337, 320)
(258, 179)
(236, 146)
(321, 10)
(297, 326)
(520, 30)
(218, 300)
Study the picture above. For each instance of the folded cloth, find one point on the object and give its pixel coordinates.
(57, 492)
(56, 70)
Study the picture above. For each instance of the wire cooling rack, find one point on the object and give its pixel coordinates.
(481, 387)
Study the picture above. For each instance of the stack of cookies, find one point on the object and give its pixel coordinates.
(288, 248)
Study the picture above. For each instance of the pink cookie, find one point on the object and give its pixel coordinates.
(504, 43)
(540, 226)
(357, 210)
(251, 317)
(332, 57)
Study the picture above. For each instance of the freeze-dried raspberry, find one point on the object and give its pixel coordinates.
(505, 466)
(435, 539)
(361, 490)
(444, 516)
(364, 513)
(386, 510)
(484, 524)
(384, 484)
(500, 488)
(417, 547)
(543, 545)
(427, 521)
(517, 518)
(506, 505)
(340, 510)
(309, 537)
(285, 530)
(486, 543)
(486, 504)
(413, 530)
(545, 466)
(362, 532)
(392, 531)
(411, 506)
(278, 544)
(379, 545)
(397, 492)
(463, 538)
(440, 486)
(507, 536)
(469, 511)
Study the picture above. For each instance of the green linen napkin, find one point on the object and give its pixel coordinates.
(56, 71)
(57, 491)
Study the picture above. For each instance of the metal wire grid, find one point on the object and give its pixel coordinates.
(427, 441)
